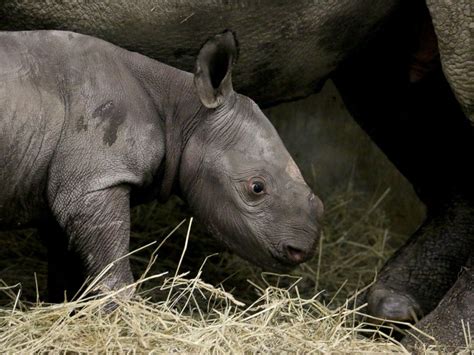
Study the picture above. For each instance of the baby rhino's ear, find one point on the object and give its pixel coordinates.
(213, 71)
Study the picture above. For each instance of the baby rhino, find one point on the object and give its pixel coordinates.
(88, 129)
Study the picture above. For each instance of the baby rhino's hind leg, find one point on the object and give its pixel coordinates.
(65, 270)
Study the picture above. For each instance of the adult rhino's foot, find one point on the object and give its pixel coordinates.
(384, 302)
(415, 279)
(449, 322)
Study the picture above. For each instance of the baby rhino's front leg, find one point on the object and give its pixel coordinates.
(97, 225)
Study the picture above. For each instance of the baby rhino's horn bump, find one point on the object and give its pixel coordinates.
(293, 171)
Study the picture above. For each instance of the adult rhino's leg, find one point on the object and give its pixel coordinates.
(453, 21)
(445, 322)
(413, 281)
(422, 129)
(65, 272)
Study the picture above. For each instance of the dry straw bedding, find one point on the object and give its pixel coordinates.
(190, 301)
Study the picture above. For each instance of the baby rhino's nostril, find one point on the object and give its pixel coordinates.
(296, 255)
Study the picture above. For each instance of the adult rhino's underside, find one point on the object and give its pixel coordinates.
(288, 49)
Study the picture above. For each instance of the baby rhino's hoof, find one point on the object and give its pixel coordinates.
(389, 304)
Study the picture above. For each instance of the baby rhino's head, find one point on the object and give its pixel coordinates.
(238, 176)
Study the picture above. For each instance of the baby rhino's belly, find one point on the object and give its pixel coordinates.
(21, 209)
(23, 174)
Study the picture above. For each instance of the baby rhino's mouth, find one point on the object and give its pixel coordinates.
(283, 256)
(266, 259)
(287, 259)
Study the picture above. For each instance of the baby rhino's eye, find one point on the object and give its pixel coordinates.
(257, 187)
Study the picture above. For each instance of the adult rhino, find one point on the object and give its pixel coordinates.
(88, 129)
(384, 57)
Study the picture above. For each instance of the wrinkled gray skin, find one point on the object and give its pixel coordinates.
(310, 37)
(288, 49)
(453, 21)
(87, 128)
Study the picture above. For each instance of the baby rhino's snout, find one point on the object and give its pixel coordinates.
(302, 248)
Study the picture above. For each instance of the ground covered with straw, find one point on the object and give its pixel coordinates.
(194, 296)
